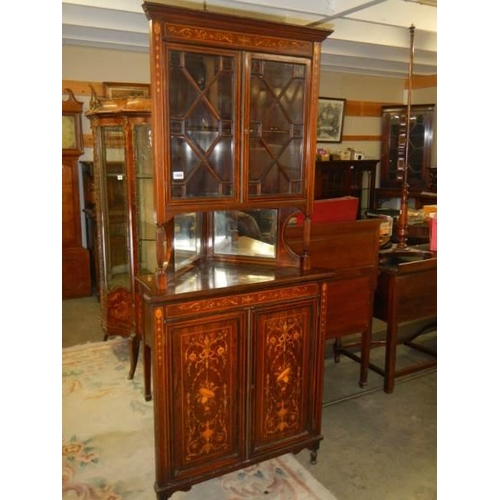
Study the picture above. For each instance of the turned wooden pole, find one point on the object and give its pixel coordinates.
(402, 229)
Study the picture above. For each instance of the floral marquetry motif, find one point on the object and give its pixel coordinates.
(285, 349)
(227, 37)
(207, 384)
(244, 299)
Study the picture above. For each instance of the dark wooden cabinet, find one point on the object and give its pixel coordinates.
(75, 258)
(337, 178)
(422, 176)
(122, 176)
(233, 319)
(419, 149)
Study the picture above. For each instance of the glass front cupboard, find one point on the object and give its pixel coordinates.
(233, 326)
(126, 234)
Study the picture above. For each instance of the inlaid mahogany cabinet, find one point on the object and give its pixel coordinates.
(233, 319)
(123, 182)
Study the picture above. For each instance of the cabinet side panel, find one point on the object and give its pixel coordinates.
(207, 370)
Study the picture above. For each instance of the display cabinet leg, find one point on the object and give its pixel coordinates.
(134, 344)
(146, 356)
(314, 456)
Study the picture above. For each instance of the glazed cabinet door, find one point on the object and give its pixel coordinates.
(394, 128)
(203, 116)
(114, 230)
(215, 111)
(283, 398)
(206, 404)
(143, 197)
(277, 126)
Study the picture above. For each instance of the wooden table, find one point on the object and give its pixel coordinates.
(406, 291)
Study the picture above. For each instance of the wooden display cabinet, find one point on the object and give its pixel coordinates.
(337, 178)
(75, 258)
(123, 172)
(234, 325)
(422, 177)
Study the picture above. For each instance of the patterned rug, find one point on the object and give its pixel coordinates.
(108, 445)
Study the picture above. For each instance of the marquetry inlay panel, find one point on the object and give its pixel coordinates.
(208, 413)
(119, 307)
(247, 299)
(283, 347)
(236, 40)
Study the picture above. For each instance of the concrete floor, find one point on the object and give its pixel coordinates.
(376, 446)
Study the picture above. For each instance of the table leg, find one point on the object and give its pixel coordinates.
(366, 341)
(390, 356)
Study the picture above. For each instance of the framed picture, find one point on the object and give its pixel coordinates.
(116, 90)
(330, 119)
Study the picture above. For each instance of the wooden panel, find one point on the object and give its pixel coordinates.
(75, 273)
(71, 222)
(422, 81)
(339, 245)
(282, 380)
(409, 294)
(349, 306)
(208, 414)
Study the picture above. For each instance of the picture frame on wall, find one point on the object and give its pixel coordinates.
(331, 113)
(117, 90)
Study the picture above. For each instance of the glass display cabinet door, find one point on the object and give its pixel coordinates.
(146, 229)
(419, 150)
(116, 272)
(202, 114)
(277, 127)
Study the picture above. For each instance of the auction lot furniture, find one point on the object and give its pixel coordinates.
(336, 178)
(124, 212)
(232, 320)
(351, 249)
(406, 291)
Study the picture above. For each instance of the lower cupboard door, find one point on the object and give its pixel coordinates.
(208, 374)
(282, 403)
